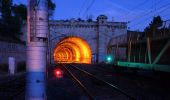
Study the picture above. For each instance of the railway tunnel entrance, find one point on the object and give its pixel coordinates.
(72, 50)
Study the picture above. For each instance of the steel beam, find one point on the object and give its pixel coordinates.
(149, 50)
(161, 53)
(156, 67)
(129, 51)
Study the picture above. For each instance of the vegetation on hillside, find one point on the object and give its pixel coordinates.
(155, 28)
(12, 17)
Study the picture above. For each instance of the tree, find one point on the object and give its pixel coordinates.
(153, 26)
(51, 7)
(80, 20)
(20, 11)
(89, 20)
(5, 9)
(6, 18)
(12, 17)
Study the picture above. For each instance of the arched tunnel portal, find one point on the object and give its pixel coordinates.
(72, 50)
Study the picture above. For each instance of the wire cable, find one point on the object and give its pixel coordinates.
(150, 12)
(137, 6)
(83, 5)
(146, 19)
(88, 8)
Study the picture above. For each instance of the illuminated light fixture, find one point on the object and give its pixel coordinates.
(109, 59)
(72, 50)
(58, 73)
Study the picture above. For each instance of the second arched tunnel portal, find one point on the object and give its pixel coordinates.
(72, 50)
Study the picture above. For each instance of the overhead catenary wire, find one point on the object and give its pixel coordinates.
(160, 10)
(156, 3)
(167, 14)
(88, 8)
(83, 5)
(134, 8)
(137, 6)
(146, 19)
(150, 12)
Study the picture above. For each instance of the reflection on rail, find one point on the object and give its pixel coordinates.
(69, 69)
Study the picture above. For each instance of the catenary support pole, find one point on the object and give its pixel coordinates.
(129, 51)
(149, 50)
(37, 30)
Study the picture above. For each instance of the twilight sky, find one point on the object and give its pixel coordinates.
(138, 12)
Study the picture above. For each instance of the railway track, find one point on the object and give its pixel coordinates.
(12, 88)
(94, 86)
(134, 85)
(142, 85)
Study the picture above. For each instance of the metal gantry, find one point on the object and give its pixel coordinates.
(145, 52)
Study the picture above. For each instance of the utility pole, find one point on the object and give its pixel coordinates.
(37, 37)
(97, 46)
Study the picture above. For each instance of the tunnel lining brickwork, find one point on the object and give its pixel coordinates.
(72, 50)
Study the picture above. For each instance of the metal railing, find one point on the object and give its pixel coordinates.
(162, 32)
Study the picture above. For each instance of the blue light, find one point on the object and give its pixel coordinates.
(109, 58)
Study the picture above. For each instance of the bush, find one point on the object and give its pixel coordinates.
(21, 66)
(4, 67)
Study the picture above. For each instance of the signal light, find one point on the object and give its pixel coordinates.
(109, 59)
(58, 73)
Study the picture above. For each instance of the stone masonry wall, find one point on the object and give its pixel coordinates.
(12, 50)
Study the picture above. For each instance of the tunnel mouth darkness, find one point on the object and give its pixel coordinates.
(72, 50)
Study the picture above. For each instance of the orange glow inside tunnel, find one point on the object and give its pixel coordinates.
(72, 50)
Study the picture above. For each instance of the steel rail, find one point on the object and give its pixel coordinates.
(12, 80)
(85, 90)
(107, 83)
(20, 89)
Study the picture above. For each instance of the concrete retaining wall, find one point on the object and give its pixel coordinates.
(12, 50)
